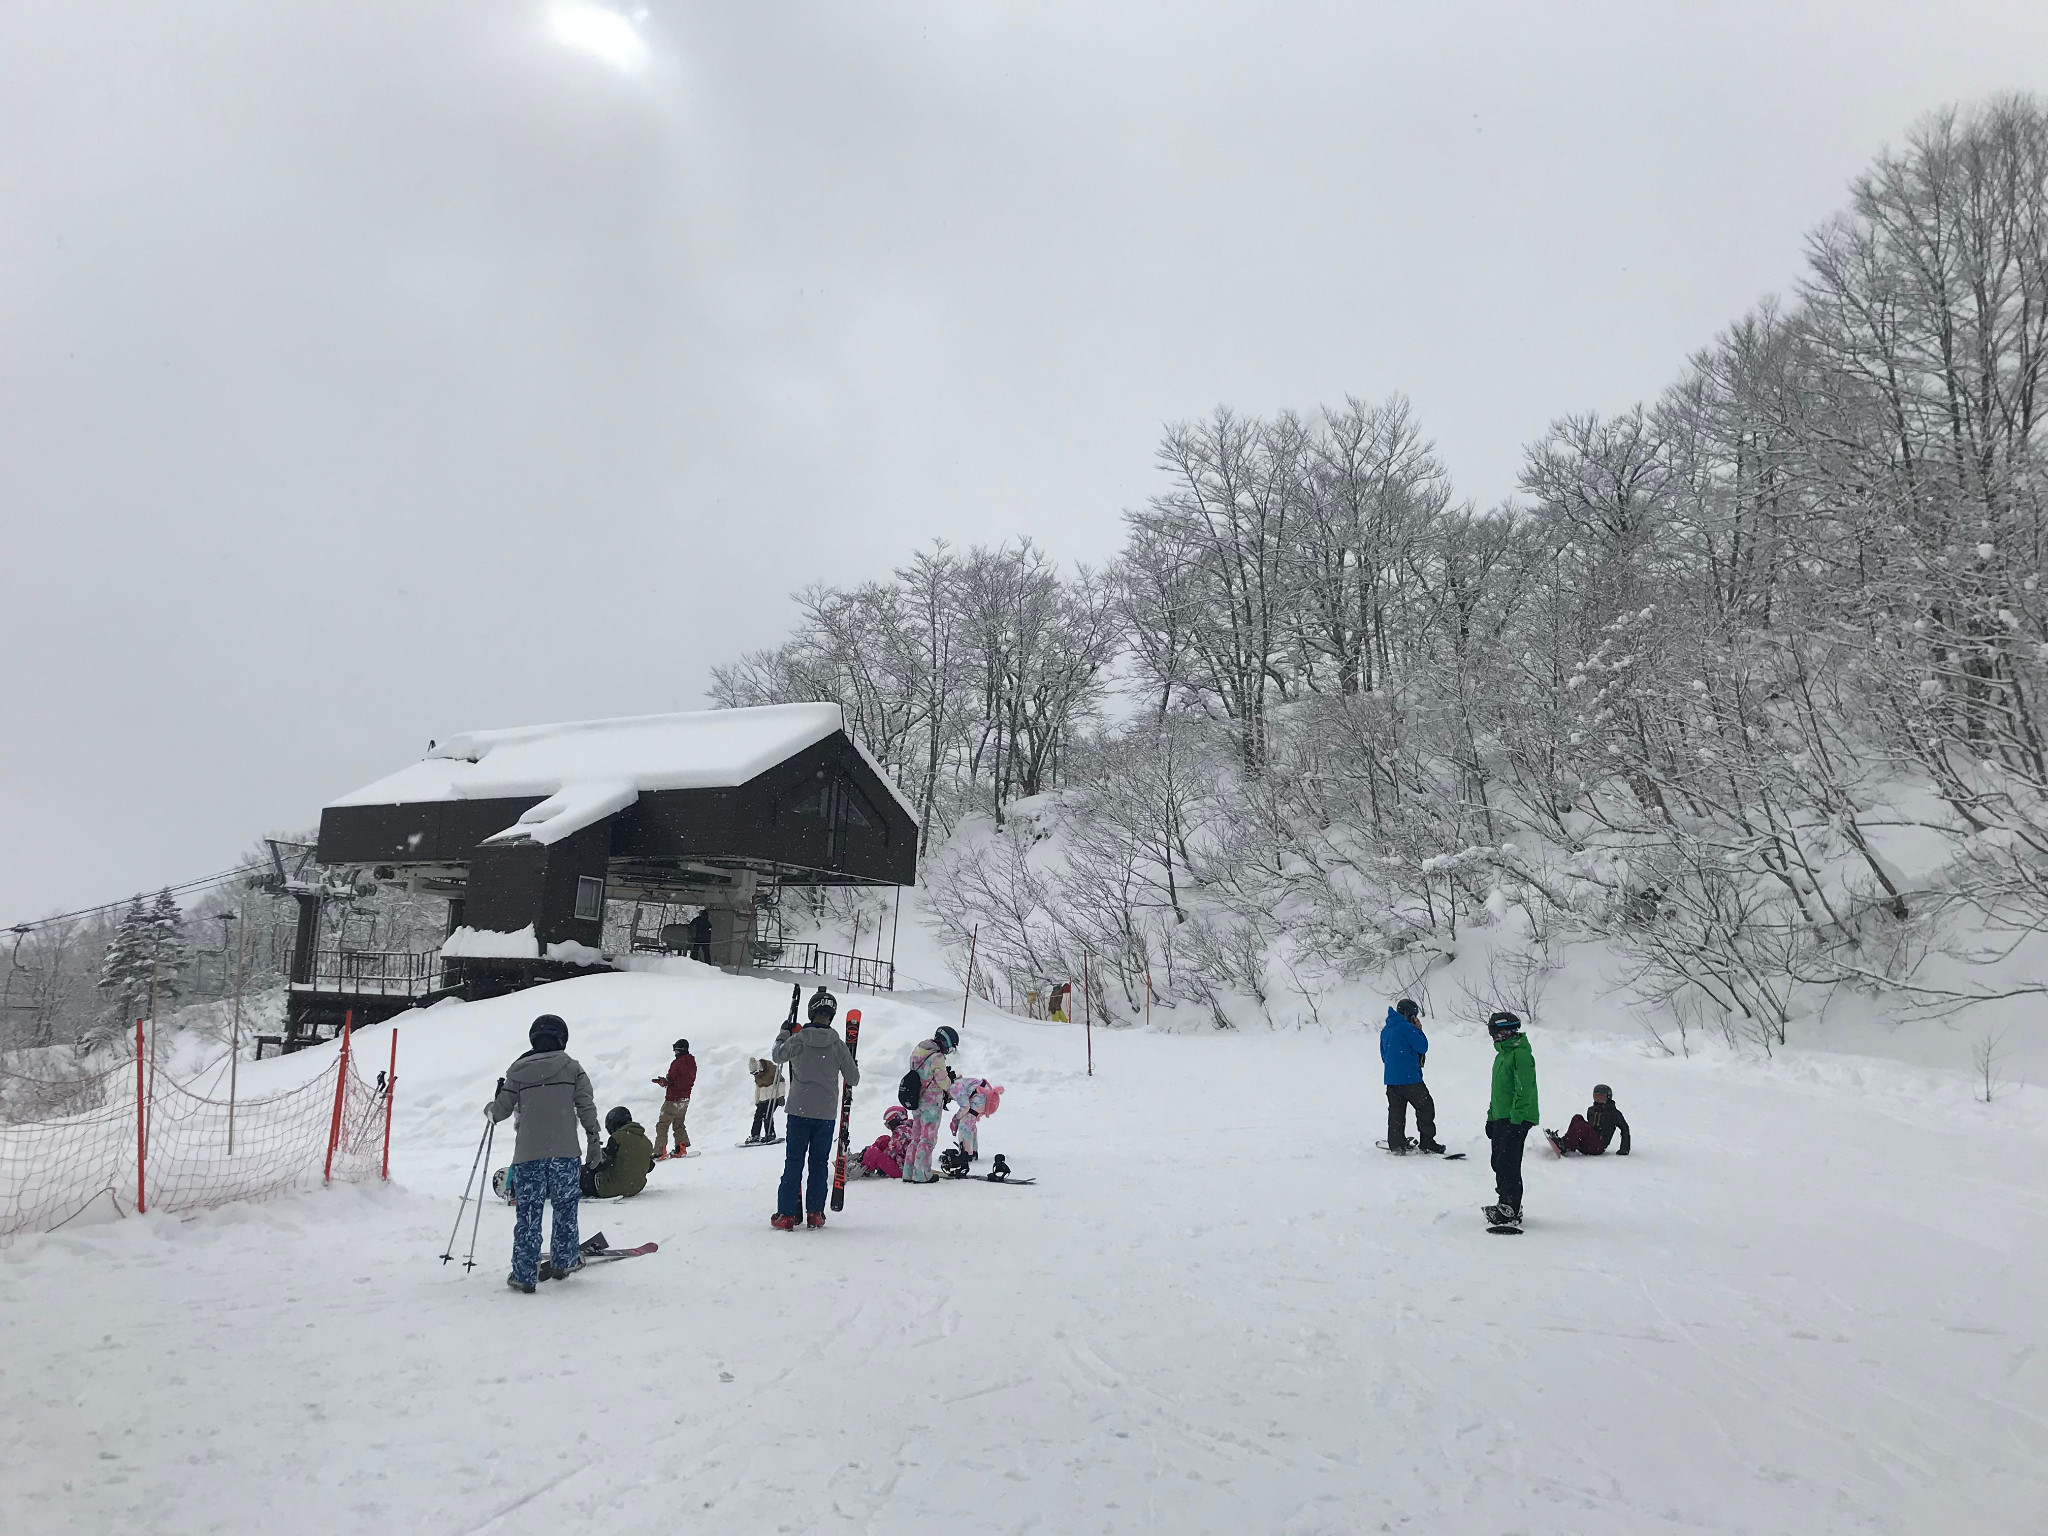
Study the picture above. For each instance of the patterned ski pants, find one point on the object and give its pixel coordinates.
(534, 1184)
(967, 1128)
(924, 1140)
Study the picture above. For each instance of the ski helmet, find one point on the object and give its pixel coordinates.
(894, 1116)
(1503, 1023)
(618, 1117)
(947, 1038)
(823, 1002)
(681, 1047)
(501, 1185)
(548, 1033)
(1600, 1088)
(1409, 1009)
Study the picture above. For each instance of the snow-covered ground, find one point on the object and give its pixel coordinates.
(1811, 1301)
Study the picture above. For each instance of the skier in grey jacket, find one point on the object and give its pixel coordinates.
(550, 1093)
(817, 1059)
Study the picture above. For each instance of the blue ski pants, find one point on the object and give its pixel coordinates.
(806, 1138)
(534, 1184)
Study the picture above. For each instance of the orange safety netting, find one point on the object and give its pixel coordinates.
(194, 1150)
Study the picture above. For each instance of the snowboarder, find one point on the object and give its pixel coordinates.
(1510, 1114)
(935, 1081)
(767, 1094)
(886, 1154)
(974, 1099)
(1056, 1006)
(1403, 1046)
(550, 1093)
(817, 1059)
(675, 1105)
(628, 1158)
(1589, 1134)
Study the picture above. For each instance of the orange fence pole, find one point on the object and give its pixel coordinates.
(141, 1127)
(390, 1088)
(340, 1088)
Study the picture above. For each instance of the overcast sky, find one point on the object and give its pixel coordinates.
(370, 372)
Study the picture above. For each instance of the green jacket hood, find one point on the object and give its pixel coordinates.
(1514, 1081)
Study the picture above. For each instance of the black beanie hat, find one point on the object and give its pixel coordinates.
(548, 1033)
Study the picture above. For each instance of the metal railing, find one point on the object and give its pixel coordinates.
(807, 959)
(375, 973)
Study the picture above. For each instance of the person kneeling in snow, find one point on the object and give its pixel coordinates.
(886, 1154)
(1589, 1134)
(628, 1159)
(549, 1093)
(975, 1098)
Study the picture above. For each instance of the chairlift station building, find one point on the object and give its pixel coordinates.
(529, 832)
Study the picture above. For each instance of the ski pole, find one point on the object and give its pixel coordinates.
(456, 1230)
(476, 1219)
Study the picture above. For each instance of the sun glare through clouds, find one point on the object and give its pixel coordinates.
(600, 32)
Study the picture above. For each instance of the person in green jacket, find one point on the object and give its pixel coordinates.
(628, 1157)
(1510, 1115)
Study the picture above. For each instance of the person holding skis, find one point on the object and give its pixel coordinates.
(1589, 1134)
(817, 1059)
(550, 1093)
(628, 1159)
(934, 1082)
(1403, 1046)
(767, 1094)
(1510, 1115)
(676, 1086)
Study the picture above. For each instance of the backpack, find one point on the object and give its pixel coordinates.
(910, 1092)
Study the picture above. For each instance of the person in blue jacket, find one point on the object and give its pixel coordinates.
(1403, 1046)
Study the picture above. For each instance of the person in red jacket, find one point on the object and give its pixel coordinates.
(675, 1104)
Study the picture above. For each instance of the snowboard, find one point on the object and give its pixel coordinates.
(673, 1156)
(771, 1141)
(1556, 1142)
(1500, 1228)
(1449, 1157)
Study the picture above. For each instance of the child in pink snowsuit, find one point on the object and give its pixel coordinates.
(928, 1061)
(886, 1154)
(975, 1099)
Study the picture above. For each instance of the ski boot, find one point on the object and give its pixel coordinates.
(519, 1285)
(1430, 1146)
(815, 1220)
(782, 1223)
(1556, 1142)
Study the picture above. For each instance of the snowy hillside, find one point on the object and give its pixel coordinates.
(1809, 1301)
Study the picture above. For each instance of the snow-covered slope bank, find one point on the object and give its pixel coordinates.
(1808, 1302)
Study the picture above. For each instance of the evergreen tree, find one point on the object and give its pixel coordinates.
(124, 976)
(168, 949)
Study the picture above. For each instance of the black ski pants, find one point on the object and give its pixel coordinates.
(1507, 1137)
(1399, 1097)
(764, 1119)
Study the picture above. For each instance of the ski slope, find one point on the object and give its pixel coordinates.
(1810, 1302)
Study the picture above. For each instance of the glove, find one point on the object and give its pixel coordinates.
(592, 1157)
(491, 1110)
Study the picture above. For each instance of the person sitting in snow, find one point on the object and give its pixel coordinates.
(549, 1092)
(974, 1099)
(885, 1155)
(1589, 1134)
(935, 1081)
(767, 1094)
(628, 1159)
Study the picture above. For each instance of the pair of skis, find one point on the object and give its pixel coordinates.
(595, 1251)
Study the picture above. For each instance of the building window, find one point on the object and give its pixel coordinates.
(589, 899)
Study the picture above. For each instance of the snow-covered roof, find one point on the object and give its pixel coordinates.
(589, 769)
